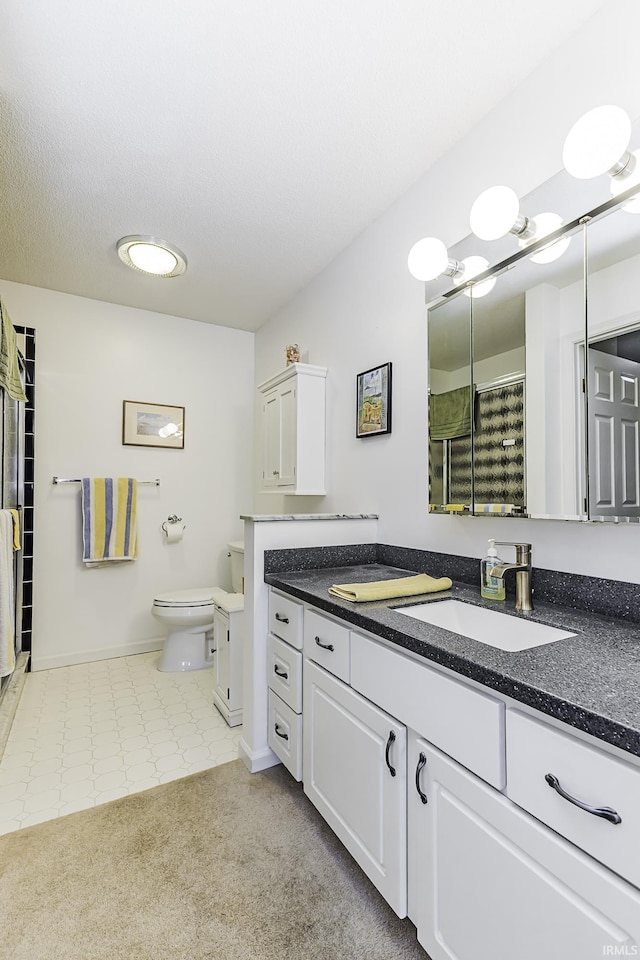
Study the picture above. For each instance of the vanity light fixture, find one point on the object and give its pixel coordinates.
(496, 212)
(429, 259)
(151, 256)
(599, 143)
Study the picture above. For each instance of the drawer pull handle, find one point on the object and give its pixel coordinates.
(283, 736)
(282, 619)
(390, 742)
(280, 673)
(607, 813)
(325, 646)
(422, 762)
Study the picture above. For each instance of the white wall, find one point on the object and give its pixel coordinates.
(365, 309)
(90, 356)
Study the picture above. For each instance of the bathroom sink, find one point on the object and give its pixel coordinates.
(486, 626)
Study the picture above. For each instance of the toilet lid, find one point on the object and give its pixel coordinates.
(200, 597)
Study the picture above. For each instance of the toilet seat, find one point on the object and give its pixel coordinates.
(201, 597)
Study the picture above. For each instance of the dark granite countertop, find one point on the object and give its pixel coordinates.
(590, 681)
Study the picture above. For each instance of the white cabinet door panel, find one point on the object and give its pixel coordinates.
(488, 882)
(349, 747)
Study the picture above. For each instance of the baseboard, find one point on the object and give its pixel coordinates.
(256, 761)
(90, 656)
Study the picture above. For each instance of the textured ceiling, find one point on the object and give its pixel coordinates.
(260, 136)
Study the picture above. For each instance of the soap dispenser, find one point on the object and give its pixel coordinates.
(492, 588)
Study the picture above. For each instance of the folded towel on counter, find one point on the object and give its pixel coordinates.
(109, 520)
(16, 529)
(9, 364)
(387, 589)
(450, 414)
(7, 608)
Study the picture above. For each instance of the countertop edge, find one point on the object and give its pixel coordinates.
(626, 739)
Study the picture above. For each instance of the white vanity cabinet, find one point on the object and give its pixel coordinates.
(293, 431)
(488, 882)
(430, 781)
(354, 773)
(227, 659)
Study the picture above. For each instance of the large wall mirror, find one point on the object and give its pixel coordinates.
(534, 387)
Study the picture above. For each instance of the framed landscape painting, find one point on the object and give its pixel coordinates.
(374, 401)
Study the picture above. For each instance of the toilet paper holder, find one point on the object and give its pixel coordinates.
(174, 518)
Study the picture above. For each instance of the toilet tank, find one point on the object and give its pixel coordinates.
(236, 549)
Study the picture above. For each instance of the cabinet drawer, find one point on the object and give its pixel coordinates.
(285, 619)
(595, 778)
(464, 723)
(285, 672)
(285, 734)
(327, 642)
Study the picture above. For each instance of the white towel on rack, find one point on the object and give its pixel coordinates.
(7, 594)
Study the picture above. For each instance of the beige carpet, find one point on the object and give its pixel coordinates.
(222, 864)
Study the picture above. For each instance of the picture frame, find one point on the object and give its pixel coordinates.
(373, 401)
(152, 425)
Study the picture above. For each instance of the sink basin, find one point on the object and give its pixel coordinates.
(486, 626)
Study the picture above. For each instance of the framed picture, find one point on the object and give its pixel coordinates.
(374, 401)
(152, 425)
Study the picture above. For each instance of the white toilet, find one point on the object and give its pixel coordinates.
(188, 617)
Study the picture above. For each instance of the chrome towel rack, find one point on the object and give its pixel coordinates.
(154, 483)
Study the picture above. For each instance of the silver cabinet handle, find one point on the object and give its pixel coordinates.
(325, 646)
(607, 813)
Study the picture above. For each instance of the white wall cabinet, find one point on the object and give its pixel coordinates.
(293, 431)
(488, 882)
(354, 762)
(227, 663)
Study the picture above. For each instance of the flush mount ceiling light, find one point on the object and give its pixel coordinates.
(151, 256)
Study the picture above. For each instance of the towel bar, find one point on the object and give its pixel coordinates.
(155, 483)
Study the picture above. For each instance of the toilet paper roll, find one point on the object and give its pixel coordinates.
(173, 531)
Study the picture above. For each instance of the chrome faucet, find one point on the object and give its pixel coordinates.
(522, 566)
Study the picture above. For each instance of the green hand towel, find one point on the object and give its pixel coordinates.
(387, 589)
(450, 414)
(9, 369)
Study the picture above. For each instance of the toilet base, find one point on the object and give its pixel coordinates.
(185, 650)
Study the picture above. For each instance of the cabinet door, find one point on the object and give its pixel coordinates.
(288, 445)
(354, 762)
(271, 439)
(488, 882)
(222, 659)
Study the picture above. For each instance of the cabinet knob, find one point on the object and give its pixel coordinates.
(276, 473)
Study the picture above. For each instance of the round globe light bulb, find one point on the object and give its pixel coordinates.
(544, 224)
(428, 258)
(152, 259)
(494, 213)
(620, 184)
(596, 142)
(472, 267)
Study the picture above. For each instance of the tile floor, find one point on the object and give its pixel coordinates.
(91, 733)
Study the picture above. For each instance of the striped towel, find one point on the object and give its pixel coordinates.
(7, 607)
(494, 507)
(109, 519)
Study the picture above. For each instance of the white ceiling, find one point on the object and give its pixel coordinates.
(259, 136)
